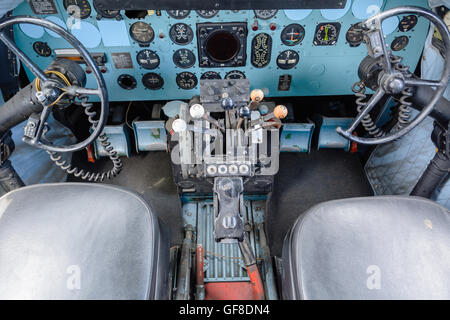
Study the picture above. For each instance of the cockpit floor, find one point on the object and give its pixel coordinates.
(305, 180)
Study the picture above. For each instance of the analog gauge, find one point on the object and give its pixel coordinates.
(152, 81)
(178, 14)
(148, 59)
(142, 32)
(327, 34)
(186, 80)
(399, 43)
(287, 59)
(261, 50)
(235, 74)
(109, 14)
(207, 13)
(293, 34)
(127, 82)
(210, 75)
(181, 34)
(78, 8)
(355, 35)
(184, 58)
(407, 23)
(265, 14)
(42, 49)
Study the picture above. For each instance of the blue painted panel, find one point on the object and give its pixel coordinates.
(322, 70)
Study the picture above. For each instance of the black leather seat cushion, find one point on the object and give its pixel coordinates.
(369, 248)
(80, 241)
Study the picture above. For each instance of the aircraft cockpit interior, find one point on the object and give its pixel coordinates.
(224, 150)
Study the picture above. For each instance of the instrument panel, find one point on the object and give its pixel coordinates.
(163, 55)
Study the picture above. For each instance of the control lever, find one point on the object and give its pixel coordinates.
(279, 112)
(228, 206)
(198, 112)
(256, 96)
(244, 113)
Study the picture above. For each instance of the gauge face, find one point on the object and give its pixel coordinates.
(109, 14)
(178, 14)
(327, 34)
(265, 14)
(184, 58)
(261, 50)
(354, 35)
(287, 59)
(186, 80)
(207, 13)
(42, 49)
(78, 8)
(399, 43)
(235, 75)
(152, 81)
(407, 23)
(293, 34)
(142, 32)
(210, 75)
(181, 34)
(127, 82)
(148, 59)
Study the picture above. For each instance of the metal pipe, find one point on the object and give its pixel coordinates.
(184, 278)
(252, 269)
(200, 274)
(271, 287)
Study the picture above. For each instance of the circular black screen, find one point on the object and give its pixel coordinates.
(222, 46)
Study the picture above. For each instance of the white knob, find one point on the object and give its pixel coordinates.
(179, 125)
(197, 111)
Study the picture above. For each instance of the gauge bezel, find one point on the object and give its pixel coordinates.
(353, 43)
(129, 76)
(145, 76)
(396, 39)
(178, 17)
(318, 42)
(192, 75)
(259, 16)
(152, 52)
(241, 73)
(172, 34)
(82, 16)
(140, 41)
(268, 53)
(176, 61)
(290, 66)
(102, 13)
(39, 53)
(409, 26)
(207, 16)
(290, 26)
(205, 77)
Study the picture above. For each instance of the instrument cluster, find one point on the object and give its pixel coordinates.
(161, 55)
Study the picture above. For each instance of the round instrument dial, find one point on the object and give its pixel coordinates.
(127, 82)
(399, 43)
(184, 58)
(109, 14)
(207, 13)
(181, 34)
(210, 75)
(407, 23)
(327, 34)
(265, 14)
(293, 34)
(148, 59)
(142, 32)
(152, 81)
(178, 14)
(261, 50)
(235, 74)
(287, 59)
(78, 8)
(354, 35)
(42, 49)
(187, 80)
